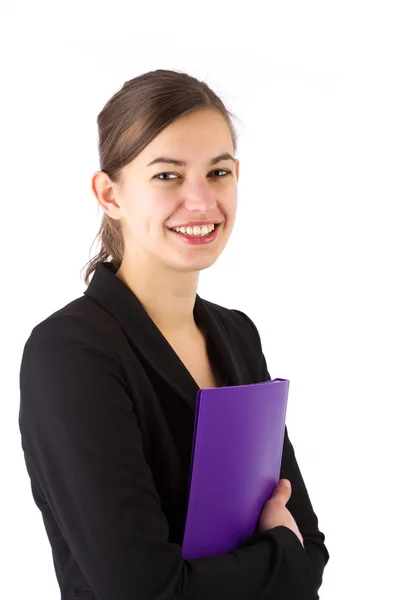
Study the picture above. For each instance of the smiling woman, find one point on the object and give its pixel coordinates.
(109, 382)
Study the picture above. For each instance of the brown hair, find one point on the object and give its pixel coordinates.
(130, 120)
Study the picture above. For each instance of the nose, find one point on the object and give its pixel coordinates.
(199, 196)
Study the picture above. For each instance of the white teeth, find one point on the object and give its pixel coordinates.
(195, 231)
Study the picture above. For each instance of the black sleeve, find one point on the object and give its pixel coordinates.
(84, 445)
(299, 504)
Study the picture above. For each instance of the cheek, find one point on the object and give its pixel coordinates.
(229, 205)
(137, 222)
(162, 208)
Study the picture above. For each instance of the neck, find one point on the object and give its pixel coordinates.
(167, 296)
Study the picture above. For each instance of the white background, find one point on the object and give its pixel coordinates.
(313, 258)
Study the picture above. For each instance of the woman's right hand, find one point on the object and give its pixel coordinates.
(275, 513)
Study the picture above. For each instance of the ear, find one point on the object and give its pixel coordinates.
(237, 169)
(104, 190)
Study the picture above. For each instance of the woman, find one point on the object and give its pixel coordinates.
(109, 382)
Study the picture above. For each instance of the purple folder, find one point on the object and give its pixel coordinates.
(236, 461)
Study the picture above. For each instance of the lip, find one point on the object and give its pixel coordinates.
(198, 241)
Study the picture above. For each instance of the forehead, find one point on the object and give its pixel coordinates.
(193, 138)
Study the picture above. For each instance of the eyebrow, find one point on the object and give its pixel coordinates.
(182, 163)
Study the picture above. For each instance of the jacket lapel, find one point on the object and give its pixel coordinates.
(143, 334)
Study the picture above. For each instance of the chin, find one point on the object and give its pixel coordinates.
(198, 264)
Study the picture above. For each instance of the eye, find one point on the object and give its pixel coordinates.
(226, 172)
(221, 171)
(159, 174)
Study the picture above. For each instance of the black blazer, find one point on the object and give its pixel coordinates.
(106, 420)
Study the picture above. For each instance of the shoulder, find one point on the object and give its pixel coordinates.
(80, 323)
(236, 323)
(72, 351)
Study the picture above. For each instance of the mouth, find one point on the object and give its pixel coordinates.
(197, 239)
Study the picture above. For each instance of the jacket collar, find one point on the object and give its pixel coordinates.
(119, 300)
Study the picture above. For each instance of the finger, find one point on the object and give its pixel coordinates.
(282, 490)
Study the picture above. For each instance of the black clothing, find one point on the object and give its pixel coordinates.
(106, 418)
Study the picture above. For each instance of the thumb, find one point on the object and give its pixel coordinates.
(283, 490)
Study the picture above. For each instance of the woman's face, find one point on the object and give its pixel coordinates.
(154, 197)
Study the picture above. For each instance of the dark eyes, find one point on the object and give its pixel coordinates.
(214, 171)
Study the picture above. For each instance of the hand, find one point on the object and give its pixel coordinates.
(275, 513)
